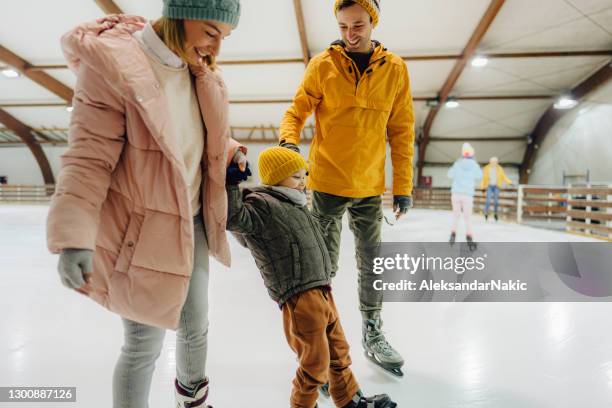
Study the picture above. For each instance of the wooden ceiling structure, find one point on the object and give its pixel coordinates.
(16, 131)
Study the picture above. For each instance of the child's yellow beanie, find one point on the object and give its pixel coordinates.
(277, 163)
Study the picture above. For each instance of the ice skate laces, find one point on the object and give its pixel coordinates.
(376, 339)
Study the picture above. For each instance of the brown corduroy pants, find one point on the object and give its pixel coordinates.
(313, 331)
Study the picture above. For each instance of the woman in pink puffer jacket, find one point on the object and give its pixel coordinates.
(141, 202)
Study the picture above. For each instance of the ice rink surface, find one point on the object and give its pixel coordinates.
(498, 355)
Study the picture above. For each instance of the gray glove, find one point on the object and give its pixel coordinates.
(402, 203)
(290, 146)
(73, 265)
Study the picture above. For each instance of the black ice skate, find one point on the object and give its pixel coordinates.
(452, 238)
(496, 217)
(472, 246)
(377, 401)
(377, 348)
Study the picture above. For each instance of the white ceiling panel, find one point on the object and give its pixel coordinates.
(603, 19)
(489, 118)
(550, 25)
(32, 28)
(267, 29)
(427, 77)
(527, 75)
(448, 152)
(406, 27)
(22, 89)
(55, 117)
(420, 112)
(263, 81)
(257, 114)
(150, 10)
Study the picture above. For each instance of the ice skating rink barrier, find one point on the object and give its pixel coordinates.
(581, 209)
(589, 210)
(26, 194)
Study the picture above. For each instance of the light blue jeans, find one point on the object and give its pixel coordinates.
(492, 192)
(143, 343)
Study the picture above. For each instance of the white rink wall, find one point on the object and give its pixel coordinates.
(580, 141)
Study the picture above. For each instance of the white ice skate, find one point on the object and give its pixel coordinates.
(197, 399)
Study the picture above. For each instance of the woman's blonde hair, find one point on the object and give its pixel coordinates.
(172, 33)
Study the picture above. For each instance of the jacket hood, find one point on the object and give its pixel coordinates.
(81, 43)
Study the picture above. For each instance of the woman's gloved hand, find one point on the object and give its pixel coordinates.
(75, 267)
(235, 176)
(240, 160)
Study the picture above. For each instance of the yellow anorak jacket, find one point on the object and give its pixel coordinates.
(355, 115)
(501, 177)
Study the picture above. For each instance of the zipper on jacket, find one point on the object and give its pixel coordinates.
(368, 70)
(314, 227)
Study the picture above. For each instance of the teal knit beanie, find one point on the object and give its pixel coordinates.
(224, 11)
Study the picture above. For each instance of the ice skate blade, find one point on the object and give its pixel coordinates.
(396, 371)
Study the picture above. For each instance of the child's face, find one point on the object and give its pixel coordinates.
(297, 180)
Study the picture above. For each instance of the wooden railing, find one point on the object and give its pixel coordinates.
(439, 198)
(541, 204)
(589, 210)
(507, 202)
(579, 209)
(25, 194)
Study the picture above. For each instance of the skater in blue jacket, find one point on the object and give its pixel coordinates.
(464, 173)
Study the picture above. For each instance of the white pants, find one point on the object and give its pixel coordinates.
(465, 203)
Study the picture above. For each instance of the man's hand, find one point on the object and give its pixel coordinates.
(401, 204)
(290, 146)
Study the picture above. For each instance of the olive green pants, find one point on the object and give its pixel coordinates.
(365, 221)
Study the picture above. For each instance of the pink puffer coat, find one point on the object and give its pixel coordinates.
(122, 191)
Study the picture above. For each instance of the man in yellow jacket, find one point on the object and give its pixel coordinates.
(360, 93)
(493, 179)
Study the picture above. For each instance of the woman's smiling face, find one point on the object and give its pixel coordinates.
(203, 37)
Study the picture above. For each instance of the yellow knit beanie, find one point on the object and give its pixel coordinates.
(277, 163)
(371, 6)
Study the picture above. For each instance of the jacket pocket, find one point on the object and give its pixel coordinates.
(323, 223)
(128, 245)
(165, 244)
(295, 256)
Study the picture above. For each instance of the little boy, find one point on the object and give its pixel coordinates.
(290, 252)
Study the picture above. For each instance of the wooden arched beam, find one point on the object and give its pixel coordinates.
(552, 116)
(506, 55)
(466, 55)
(109, 6)
(21, 129)
(41, 78)
(26, 134)
(301, 23)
